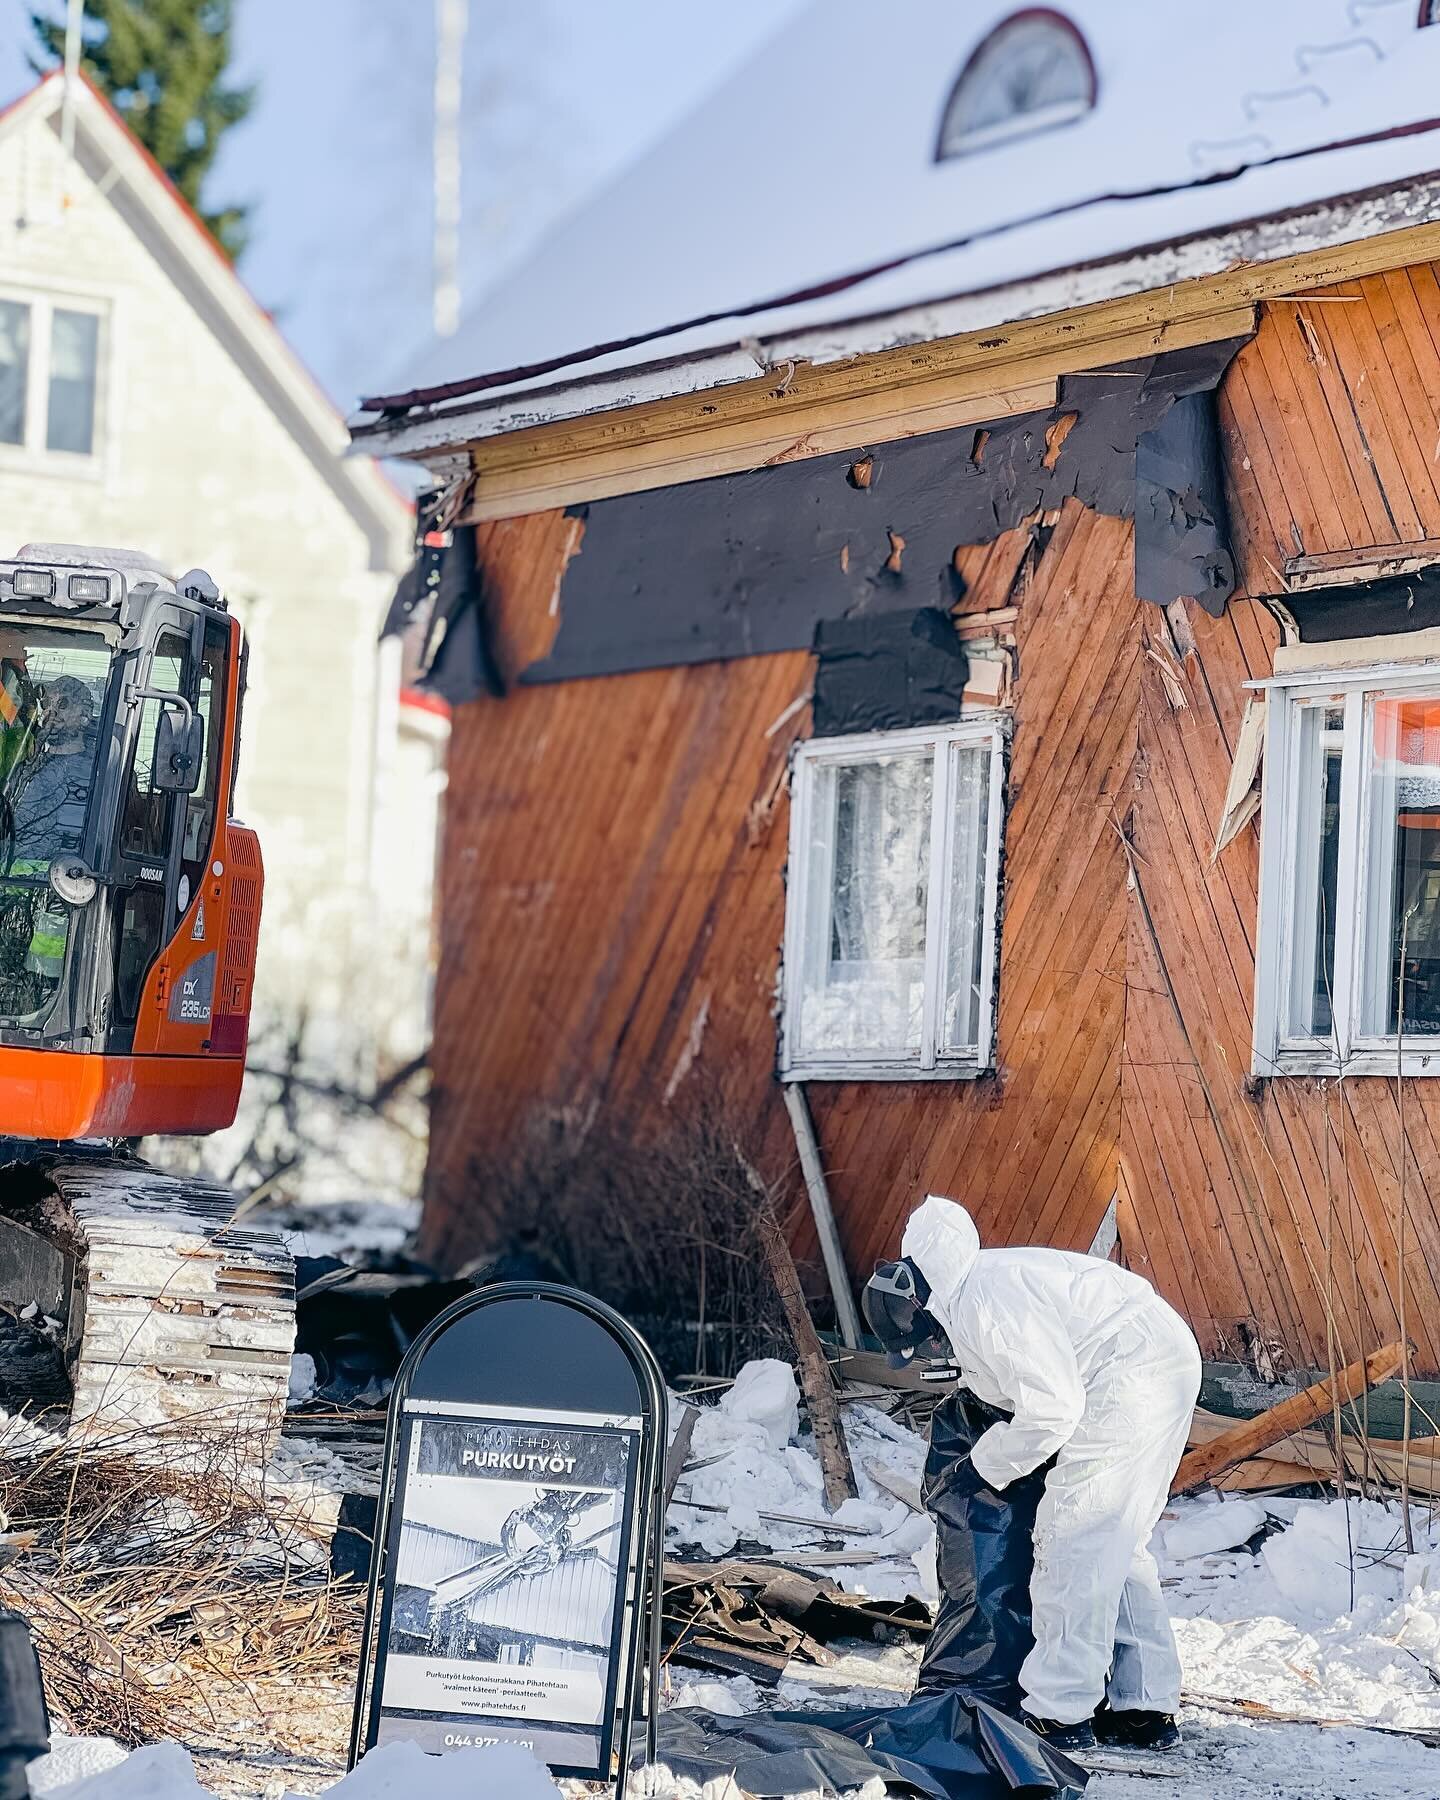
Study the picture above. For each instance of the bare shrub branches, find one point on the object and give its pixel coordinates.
(168, 1595)
(667, 1230)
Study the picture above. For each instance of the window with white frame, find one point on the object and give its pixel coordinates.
(1348, 959)
(889, 968)
(50, 352)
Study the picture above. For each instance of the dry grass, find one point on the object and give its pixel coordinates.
(170, 1598)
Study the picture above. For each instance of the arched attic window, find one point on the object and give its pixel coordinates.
(1032, 73)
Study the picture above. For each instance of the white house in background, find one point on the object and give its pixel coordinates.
(147, 400)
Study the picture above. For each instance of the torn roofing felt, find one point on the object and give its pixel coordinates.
(1182, 534)
(440, 595)
(1374, 609)
(742, 565)
(883, 671)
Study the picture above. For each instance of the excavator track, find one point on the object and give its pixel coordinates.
(168, 1314)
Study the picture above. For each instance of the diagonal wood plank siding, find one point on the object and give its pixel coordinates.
(613, 896)
(1331, 417)
(613, 899)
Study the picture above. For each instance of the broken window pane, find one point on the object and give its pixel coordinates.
(864, 944)
(1402, 915)
(969, 831)
(1312, 966)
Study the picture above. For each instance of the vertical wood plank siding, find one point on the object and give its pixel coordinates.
(613, 896)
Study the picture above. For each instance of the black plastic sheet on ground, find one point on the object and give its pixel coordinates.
(985, 1552)
(940, 1747)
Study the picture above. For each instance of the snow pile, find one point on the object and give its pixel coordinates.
(1204, 1530)
(71, 1760)
(746, 1464)
(302, 1379)
(1279, 1627)
(766, 1394)
(393, 1772)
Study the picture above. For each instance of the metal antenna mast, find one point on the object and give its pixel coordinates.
(451, 19)
(74, 17)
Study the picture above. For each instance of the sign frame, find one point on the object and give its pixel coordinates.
(507, 1364)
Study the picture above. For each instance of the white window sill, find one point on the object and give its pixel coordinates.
(1359, 1062)
(871, 1071)
(69, 465)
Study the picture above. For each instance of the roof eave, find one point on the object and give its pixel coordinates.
(428, 432)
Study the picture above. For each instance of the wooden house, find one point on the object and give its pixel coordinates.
(945, 625)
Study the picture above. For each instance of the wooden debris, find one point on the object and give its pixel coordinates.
(815, 1376)
(749, 1617)
(789, 1518)
(679, 1449)
(1252, 1436)
(1308, 1456)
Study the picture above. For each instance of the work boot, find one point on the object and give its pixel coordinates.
(1134, 1729)
(1079, 1736)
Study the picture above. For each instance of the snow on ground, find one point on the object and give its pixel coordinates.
(1278, 1625)
(1259, 1589)
(745, 1463)
(91, 1769)
(349, 1229)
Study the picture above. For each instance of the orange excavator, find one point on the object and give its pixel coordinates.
(129, 918)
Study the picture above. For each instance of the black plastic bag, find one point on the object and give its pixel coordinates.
(939, 1746)
(985, 1553)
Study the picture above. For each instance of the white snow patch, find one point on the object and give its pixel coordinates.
(765, 1394)
(392, 1772)
(302, 1378)
(1207, 1529)
(404, 1771)
(71, 1760)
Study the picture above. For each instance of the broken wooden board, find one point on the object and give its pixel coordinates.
(1308, 1456)
(1253, 1436)
(754, 1618)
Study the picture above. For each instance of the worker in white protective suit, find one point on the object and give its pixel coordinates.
(1099, 1373)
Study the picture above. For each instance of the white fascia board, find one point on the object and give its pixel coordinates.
(770, 340)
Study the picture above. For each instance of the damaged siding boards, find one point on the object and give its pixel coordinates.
(944, 756)
(749, 565)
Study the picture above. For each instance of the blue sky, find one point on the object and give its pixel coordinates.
(335, 158)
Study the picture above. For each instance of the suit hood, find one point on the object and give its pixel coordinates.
(941, 1237)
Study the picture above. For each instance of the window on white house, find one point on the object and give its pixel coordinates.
(890, 920)
(50, 361)
(74, 364)
(1348, 960)
(14, 369)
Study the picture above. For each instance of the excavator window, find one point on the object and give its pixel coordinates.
(146, 819)
(52, 687)
(200, 807)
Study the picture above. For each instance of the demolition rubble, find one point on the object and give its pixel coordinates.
(198, 1621)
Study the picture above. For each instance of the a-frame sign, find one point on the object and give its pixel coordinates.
(515, 1584)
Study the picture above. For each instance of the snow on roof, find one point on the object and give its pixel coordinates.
(805, 193)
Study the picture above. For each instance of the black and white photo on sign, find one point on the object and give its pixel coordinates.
(508, 1572)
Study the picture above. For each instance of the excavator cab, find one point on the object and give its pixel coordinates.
(129, 897)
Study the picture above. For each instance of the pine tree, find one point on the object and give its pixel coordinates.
(162, 63)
